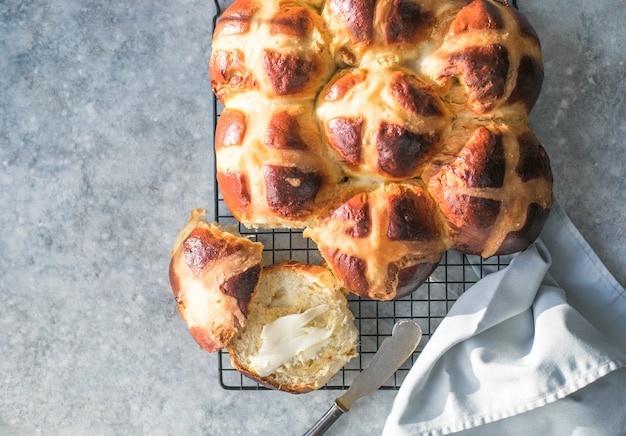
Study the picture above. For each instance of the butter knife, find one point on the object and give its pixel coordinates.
(393, 352)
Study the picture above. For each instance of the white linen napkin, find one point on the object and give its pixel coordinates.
(536, 348)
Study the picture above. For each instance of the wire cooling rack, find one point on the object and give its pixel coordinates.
(428, 305)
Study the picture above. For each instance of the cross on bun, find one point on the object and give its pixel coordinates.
(390, 130)
(398, 223)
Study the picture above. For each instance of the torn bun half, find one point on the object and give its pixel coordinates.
(300, 330)
(213, 273)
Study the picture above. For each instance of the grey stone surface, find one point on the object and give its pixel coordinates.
(105, 146)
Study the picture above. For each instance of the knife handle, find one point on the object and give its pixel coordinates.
(324, 423)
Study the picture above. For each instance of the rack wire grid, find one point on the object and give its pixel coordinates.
(428, 305)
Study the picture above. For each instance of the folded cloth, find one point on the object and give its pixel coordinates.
(536, 348)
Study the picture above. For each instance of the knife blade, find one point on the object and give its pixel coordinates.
(393, 352)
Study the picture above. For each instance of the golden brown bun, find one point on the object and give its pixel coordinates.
(213, 274)
(278, 48)
(406, 252)
(328, 104)
(288, 288)
(272, 167)
(382, 123)
(494, 189)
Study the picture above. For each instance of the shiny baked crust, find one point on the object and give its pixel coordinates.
(346, 104)
(399, 225)
(213, 274)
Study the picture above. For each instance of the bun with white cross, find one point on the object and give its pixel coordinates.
(391, 131)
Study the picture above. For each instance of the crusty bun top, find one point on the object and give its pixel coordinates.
(213, 274)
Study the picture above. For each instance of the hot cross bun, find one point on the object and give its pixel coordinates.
(390, 130)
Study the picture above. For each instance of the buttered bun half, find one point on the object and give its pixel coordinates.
(300, 330)
(287, 326)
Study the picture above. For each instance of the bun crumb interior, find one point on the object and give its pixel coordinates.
(292, 288)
